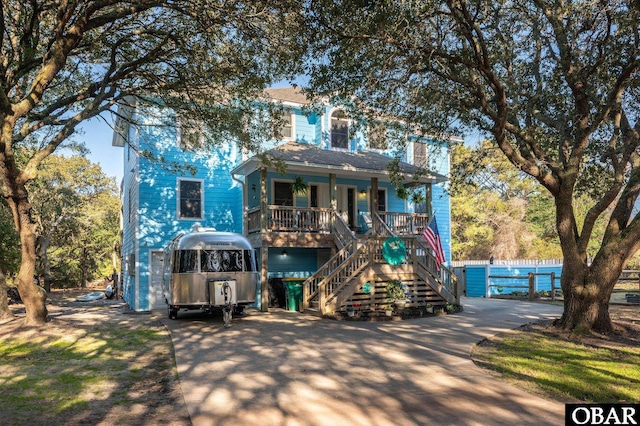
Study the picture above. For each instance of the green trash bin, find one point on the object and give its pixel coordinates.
(294, 293)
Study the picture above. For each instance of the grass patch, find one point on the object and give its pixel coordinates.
(562, 369)
(80, 373)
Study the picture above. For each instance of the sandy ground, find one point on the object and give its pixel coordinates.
(156, 399)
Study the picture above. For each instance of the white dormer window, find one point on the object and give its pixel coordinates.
(339, 129)
(420, 154)
(286, 130)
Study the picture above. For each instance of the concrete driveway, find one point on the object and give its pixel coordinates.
(283, 368)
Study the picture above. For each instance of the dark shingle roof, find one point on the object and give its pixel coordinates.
(365, 164)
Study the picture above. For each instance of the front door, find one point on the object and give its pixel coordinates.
(156, 293)
(347, 204)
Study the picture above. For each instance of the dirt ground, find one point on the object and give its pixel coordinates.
(626, 319)
(157, 398)
(162, 402)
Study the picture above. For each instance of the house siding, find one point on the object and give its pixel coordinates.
(299, 262)
(156, 186)
(130, 218)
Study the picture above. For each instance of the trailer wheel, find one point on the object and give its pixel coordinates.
(173, 313)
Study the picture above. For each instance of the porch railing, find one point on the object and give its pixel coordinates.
(319, 220)
(405, 223)
(291, 219)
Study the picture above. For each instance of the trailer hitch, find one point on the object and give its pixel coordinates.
(227, 310)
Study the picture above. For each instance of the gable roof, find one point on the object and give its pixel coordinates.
(311, 159)
(288, 94)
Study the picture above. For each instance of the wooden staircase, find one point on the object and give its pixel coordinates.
(341, 283)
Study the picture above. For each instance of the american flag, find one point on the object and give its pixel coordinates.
(432, 236)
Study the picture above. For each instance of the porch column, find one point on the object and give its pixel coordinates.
(333, 189)
(264, 249)
(374, 196)
(373, 208)
(333, 199)
(264, 277)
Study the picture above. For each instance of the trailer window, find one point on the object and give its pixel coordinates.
(221, 261)
(185, 261)
(248, 261)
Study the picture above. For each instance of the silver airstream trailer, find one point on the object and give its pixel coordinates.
(210, 270)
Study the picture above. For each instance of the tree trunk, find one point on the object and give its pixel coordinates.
(5, 312)
(586, 295)
(33, 296)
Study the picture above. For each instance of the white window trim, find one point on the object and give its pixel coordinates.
(292, 118)
(180, 179)
(414, 146)
(349, 136)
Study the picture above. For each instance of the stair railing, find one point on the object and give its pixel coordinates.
(328, 286)
(442, 279)
(341, 231)
(380, 226)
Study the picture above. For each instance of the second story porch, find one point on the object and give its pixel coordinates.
(318, 183)
(316, 220)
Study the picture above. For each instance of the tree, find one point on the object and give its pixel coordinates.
(496, 209)
(94, 241)
(71, 197)
(65, 62)
(488, 205)
(9, 255)
(555, 84)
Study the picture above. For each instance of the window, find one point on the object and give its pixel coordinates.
(382, 200)
(130, 204)
(132, 139)
(195, 261)
(190, 199)
(185, 261)
(339, 129)
(420, 207)
(420, 154)
(221, 261)
(287, 127)
(131, 264)
(282, 194)
(313, 196)
(377, 136)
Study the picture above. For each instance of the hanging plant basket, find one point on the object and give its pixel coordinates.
(299, 186)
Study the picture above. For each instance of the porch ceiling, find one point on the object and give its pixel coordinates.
(313, 160)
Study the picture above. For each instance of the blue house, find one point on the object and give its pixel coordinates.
(325, 222)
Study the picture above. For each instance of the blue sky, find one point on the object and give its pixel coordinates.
(97, 137)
